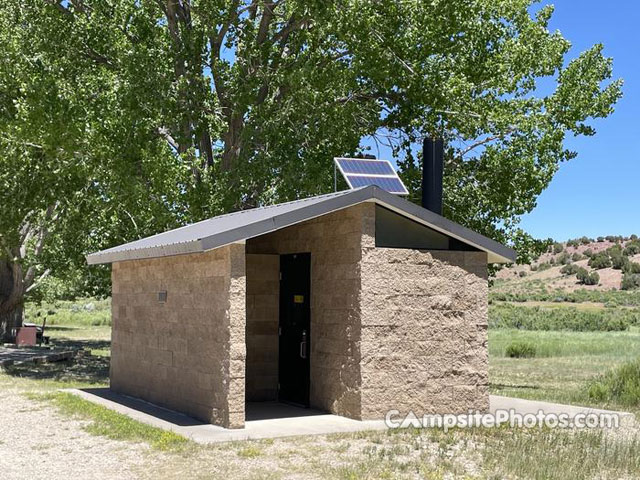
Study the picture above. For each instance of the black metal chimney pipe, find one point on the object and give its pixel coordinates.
(432, 170)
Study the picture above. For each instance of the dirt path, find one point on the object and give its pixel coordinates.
(37, 443)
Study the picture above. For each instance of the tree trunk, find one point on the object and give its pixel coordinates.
(8, 321)
(11, 297)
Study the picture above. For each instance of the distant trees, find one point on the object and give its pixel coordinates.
(632, 247)
(600, 260)
(586, 278)
(630, 281)
(570, 269)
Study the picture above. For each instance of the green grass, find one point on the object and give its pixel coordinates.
(565, 364)
(536, 290)
(111, 424)
(80, 312)
(549, 318)
(620, 386)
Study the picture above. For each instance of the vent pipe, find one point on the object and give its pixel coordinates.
(432, 170)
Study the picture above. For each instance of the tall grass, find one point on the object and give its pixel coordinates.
(80, 312)
(538, 292)
(620, 385)
(571, 319)
(567, 344)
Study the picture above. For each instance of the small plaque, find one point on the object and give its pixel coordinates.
(298, 299)
(162, 296)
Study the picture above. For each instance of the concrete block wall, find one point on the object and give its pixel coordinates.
(187, 353)
(424, 331)
(263, 297)
(335, 243)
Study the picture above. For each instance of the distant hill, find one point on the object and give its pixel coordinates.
(609, 263)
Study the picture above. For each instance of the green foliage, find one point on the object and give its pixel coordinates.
(570, 269)
(143, 121)
(588, 253)
(614, 238)
(563, 259)
(573, 319)
(632, 248)
(600, 260)
(576, 257)
(520, 350)
(609, 297)
(558, 247)
(80, 312)
(632, 267)
(543, 266)
(111, 424)
(630, 281)
(586, 278)
(620, 386)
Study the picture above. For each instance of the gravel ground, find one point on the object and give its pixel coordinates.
(37, 443)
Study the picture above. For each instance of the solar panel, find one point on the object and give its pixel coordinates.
(361, 172)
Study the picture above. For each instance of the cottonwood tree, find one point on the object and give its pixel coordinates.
(217, 105)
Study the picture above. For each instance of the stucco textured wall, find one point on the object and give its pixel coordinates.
(189, 352)
(424, 332)
(335, 243)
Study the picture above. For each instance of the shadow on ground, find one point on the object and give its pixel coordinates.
(75, 344)
(90, 369)
(171, 416)
(505, 386)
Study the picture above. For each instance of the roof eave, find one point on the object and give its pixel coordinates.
(496, 252)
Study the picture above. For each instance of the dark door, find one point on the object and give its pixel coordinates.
(295, 340)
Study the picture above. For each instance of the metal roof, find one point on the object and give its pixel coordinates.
(239, 226)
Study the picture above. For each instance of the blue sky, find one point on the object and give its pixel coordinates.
(597, 193)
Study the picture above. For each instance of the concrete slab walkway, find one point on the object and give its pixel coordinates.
(19, 355)
(272, 419)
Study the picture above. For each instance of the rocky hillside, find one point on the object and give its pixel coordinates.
(605, 263)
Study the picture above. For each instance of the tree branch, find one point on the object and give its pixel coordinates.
(38, 281)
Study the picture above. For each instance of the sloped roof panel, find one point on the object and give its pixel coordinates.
(239, 226)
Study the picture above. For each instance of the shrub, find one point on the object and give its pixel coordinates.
(522, 273)
(588, 252)
(632, 267)
(557, 247)
(620, 386)
(544, 266)
(561, 319)
(632, 248)
(600, 260)
(600, 239)
(570, 269)
(576, 257)
(520, 350)
(586, 278)
(630, 281)
(563, 259)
